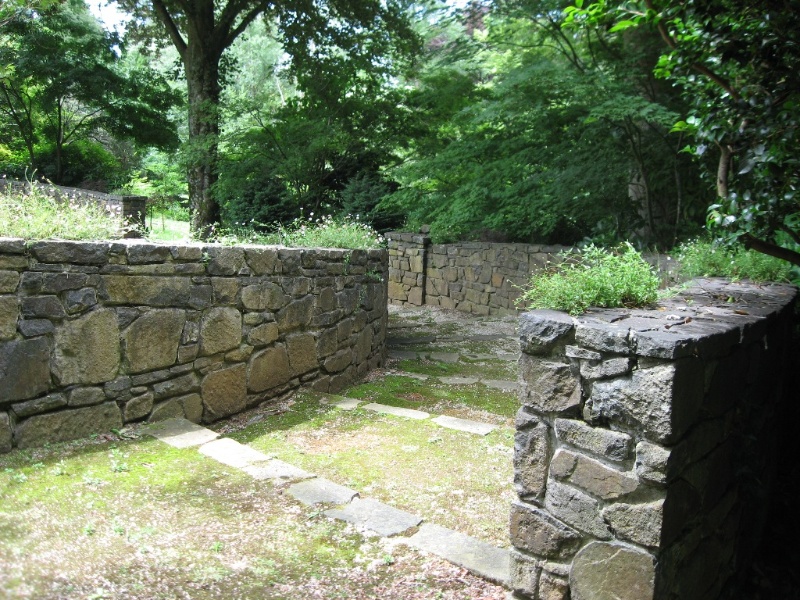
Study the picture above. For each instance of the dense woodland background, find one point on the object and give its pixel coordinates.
(514, 120)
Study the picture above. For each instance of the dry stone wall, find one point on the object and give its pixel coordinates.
(476, 277)
(645, 444)
(95, 335)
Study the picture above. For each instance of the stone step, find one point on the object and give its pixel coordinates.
(232, 453)
(467, 425)
(376, 516)
(321, 491)
(396, 411)
(180, 433)
(476, 556)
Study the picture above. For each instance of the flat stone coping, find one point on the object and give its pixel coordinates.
(465, 425)
(180, 433)
(396, 411)
(474, 555)
(276, 471)
(232, 453)
(376, 516)
(321, 491)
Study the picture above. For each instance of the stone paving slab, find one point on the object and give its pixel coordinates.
(501, 384)
(465, 425)
(445, 357)
(347, 404)
(180, 433)
(277, 471)
(417, 376)
(509, 356)
(232, 453)
(396, 411)
(321, 491)
(404, 355)
(376, 516)
(458, 380)
(474, 555)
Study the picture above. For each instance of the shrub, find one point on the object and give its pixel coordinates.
(703, 258)
(36, 215)
(594, 277)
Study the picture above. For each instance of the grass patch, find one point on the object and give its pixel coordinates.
(703, 258)
(37, 216)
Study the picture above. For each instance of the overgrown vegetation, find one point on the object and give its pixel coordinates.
(594, 277)
(36, 215)
(704, 258)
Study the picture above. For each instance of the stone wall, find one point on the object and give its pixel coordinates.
(476, 277)
(130, 208)
(95, 335)
(645, 445)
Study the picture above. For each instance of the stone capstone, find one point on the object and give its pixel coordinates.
(67, 425)
(220, 330)
(24, 369)
(601, 571)
(541, 330)
(151, 341)
(268, 369)
(87, 349)
(224, 392)
(533, 530)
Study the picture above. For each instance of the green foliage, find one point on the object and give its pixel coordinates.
(594, 277)
(704, 258)
(36, 216)
(82, 160)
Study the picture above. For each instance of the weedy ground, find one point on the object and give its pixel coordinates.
(125, 516)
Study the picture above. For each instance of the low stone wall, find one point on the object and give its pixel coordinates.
(95, 335)
(130, 208)
(476, 277)
(645, 446)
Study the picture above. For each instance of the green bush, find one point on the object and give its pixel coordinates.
(594, 277)
(703, 258)
(36, 216)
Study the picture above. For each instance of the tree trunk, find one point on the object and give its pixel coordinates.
(202, 77)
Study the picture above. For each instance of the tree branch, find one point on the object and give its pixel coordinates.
(172, 29)
(753, 243)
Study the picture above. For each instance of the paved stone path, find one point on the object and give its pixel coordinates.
(346, 504)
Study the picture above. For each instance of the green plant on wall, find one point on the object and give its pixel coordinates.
(593, 277)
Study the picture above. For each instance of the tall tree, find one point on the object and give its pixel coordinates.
(314, 34)
(66, 82)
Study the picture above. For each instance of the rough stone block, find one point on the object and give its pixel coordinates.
(533, 530)
(263, 296)
(24, 369)
(531, 455)
(638, 523)
(9, 313)
(302, 351)
(224, 260)
(138, 407)
(78, 301)
(141, 254)
(9, 282)
(549, 386)
(6, 433)
(220, 330)
(592, 476)
(169, 409)
(552, 587)
(541, 330)
(296, 314)
(86, 396)
(662, 400)
(39, 405)
(602, 336)
(82, 253)
(67, 425)
(651, 462)
(176, 386)
(339, 361)
(87, 349)
(43, 307)
(35, 327)
(268, 369)
(147, 290)
(575, 508)
(605, 369)
(602, 571)
(525, 571)
(224, 392)
(151, 341)
(613, 445)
